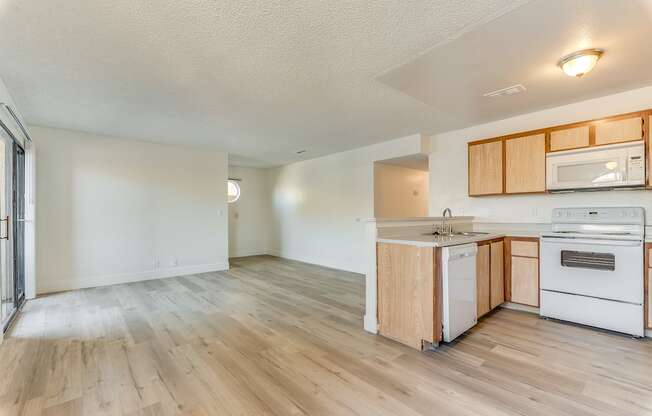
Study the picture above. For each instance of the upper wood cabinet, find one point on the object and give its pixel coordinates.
(516, 163)
(620, 130)
(486, 168)
(525, 164)
(573, 138)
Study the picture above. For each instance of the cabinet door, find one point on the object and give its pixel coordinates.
(483, 273)
(525, 164)
(497, 274)
(405, 293)
(617, 131)
(569, 138)
(648, 285)
(525, 280)
(648, 298)
(649, 149)
(486, 168)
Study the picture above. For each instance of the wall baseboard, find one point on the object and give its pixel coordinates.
(249, 252)
(370, 324)
(278, 253)
(519, 307)
(72, 283)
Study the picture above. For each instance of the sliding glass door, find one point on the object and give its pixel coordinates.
(12, 226)
(18, 217)
(8, 287)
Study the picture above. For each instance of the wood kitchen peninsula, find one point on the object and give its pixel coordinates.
(409, 282)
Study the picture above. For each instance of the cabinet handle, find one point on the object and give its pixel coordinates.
(6, 221)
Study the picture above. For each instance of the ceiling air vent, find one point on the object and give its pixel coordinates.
(514, 89)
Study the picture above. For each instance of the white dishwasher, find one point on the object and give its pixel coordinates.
(459, 289)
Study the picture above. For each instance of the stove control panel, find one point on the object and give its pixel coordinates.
(599, 215)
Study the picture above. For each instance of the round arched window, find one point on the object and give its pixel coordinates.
(233, 191)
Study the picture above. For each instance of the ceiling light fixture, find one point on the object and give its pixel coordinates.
(579, 63)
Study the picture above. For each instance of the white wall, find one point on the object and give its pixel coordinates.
(250, 217)
(108, 209)
(316, 203)
(448, 165)
(400, 192)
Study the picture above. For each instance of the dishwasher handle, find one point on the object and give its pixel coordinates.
(461, 251)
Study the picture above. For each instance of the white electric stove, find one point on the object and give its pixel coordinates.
(592, 268)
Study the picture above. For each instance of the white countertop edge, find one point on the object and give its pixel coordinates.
(407, 242)
(460, 240)
(414, 219)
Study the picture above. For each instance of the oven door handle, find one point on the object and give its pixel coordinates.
(592, 242)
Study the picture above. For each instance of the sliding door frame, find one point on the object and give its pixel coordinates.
(19, 138)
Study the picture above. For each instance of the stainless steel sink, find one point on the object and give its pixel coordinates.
(458, 233)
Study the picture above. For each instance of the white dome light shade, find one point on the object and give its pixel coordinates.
(579, 63)
(233, 191)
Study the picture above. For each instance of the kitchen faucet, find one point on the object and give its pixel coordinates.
(443, 222)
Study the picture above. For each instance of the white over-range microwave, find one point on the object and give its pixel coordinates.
(618, 166)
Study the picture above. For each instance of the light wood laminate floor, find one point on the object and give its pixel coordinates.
(275, 337)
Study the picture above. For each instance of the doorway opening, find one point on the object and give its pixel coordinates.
(401, 187)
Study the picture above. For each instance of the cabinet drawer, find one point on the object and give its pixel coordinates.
(525, 248)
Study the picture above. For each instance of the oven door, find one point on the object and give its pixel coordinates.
(606, 269)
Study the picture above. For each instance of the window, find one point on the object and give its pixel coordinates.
(233, 191)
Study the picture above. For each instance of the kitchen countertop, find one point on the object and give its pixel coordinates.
(439, 241)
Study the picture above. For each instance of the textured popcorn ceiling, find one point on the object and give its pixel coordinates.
(260, 79)
(264, 79)
(524, 46)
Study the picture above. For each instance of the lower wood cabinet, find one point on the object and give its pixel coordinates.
(483, 278)
(523, 261)
(497, 274)
(490, 289)
(408, 285)
(648, 285)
